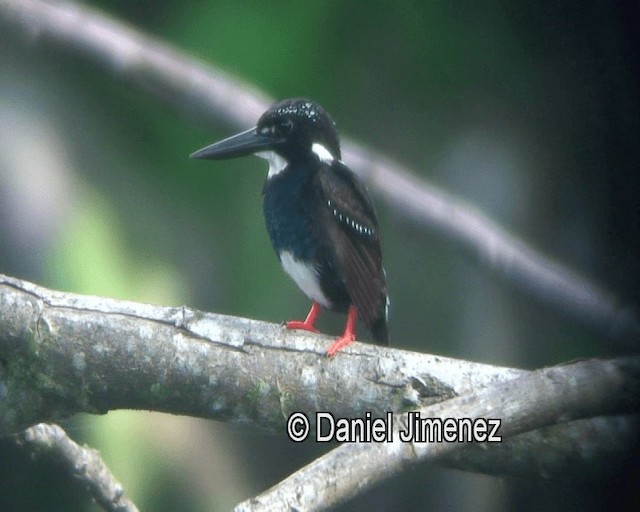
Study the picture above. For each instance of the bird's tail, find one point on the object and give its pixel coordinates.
(379, 331)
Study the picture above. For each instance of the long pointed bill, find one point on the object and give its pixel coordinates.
(242, 144)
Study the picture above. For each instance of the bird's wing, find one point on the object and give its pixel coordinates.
(353, 234)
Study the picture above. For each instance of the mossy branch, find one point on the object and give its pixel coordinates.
(62, 353)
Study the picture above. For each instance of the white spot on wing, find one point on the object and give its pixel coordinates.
(323, 153)
(363, 230)
(305, 276)
(277, 163)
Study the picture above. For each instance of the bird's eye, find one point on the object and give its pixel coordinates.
(279, 129)
(285, 127)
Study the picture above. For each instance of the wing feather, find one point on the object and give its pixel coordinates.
(352, 229)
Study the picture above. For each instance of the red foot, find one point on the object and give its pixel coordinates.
(309, 322)
(349, 334)
(343, 341)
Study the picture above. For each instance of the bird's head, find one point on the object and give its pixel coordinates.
(290, 130)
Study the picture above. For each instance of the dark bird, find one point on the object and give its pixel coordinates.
(319, 216)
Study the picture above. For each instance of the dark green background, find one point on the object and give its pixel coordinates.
(528, 110)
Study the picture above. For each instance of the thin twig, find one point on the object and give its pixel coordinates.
(83, 463)
(199, 89)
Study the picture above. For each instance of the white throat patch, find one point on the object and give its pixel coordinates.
(277, 164)
(323, 153)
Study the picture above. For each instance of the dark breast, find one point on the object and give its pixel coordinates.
(288, 212)
(293, 212)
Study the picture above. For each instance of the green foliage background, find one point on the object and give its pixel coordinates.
(528, 110)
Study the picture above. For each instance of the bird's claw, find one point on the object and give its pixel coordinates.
(300, 325)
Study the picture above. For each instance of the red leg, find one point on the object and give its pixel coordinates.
(309, 322)
(349, 334)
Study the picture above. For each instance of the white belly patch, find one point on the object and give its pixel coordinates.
(305, 276)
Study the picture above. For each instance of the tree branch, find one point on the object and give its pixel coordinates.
(82, 462)
(193, 87)
(552, 395)
(62, 353)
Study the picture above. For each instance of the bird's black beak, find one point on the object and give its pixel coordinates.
(245, 143)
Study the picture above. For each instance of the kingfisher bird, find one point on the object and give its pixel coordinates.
(319, 216)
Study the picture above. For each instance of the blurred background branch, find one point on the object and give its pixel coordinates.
(193, 86)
